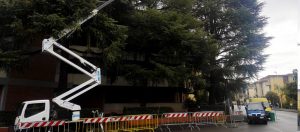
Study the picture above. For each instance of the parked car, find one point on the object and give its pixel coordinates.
(265, 101)
(256, 113)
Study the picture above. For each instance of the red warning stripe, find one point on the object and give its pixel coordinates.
(173, 115)
(120, 118)
(207, 114)
(41, 124)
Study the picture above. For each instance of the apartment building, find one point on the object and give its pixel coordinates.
(274, 83)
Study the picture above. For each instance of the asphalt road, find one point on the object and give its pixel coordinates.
(286, 122)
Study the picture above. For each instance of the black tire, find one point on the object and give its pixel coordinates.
(249, 122)
(265, 122)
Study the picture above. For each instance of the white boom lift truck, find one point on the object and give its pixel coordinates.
(39, 110)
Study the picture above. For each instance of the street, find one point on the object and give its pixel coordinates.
(286, 122)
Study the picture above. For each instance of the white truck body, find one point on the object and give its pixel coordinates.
(37, 110)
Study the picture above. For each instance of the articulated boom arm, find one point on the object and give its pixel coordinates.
(94, 12)
(95, 74)
(48, 45)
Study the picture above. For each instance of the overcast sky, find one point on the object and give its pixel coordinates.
(284, 26)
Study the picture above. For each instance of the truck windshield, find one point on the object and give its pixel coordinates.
(20, 108)
(255, 106)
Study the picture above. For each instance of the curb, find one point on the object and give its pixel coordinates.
(287, 110)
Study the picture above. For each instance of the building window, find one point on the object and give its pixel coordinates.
(285, 79)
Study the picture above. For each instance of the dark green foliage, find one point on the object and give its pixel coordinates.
(201, 45)
(236, 27)
(26, 22)
(104, 33)
(50, 17)
(12, 35)
(290, 91)
(273, 98)
(168, 42)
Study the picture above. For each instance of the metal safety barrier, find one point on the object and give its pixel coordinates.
(192, 119)
(209, 118)
(41, 126)
(238, 116)
(175, 119)
(59, 126)
(145, 122)
(125, 123)
(235, 118)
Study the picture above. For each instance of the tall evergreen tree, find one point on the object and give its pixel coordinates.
(236, 26)
(11, 36)
(211, 44)
(29, 22)
(170, 42)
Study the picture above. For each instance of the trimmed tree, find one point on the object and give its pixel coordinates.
(273, 97)
(236, 28)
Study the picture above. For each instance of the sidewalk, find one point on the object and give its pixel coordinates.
(288, 110)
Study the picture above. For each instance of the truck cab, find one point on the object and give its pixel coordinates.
(256, 113)
(33, 111)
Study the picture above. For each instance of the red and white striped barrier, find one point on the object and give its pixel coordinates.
(207, 114)
(173, 115)
(115, 119)
(97, 120)
(193, 119)
(238, 113)
(41, 124)
(136, 117)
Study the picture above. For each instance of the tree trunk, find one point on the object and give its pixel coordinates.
(212, 90)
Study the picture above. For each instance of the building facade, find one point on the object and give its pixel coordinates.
(36, 80)
(274, 83)
(298, 99)
(41, 77)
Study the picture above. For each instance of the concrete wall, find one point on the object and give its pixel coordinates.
(18, 94)
(118, 107)
(42, 67)
(178, 107)
(258, 89)
(276, 83)
(251, 91)
(35, 81)
(39, 77)
(77, 79)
